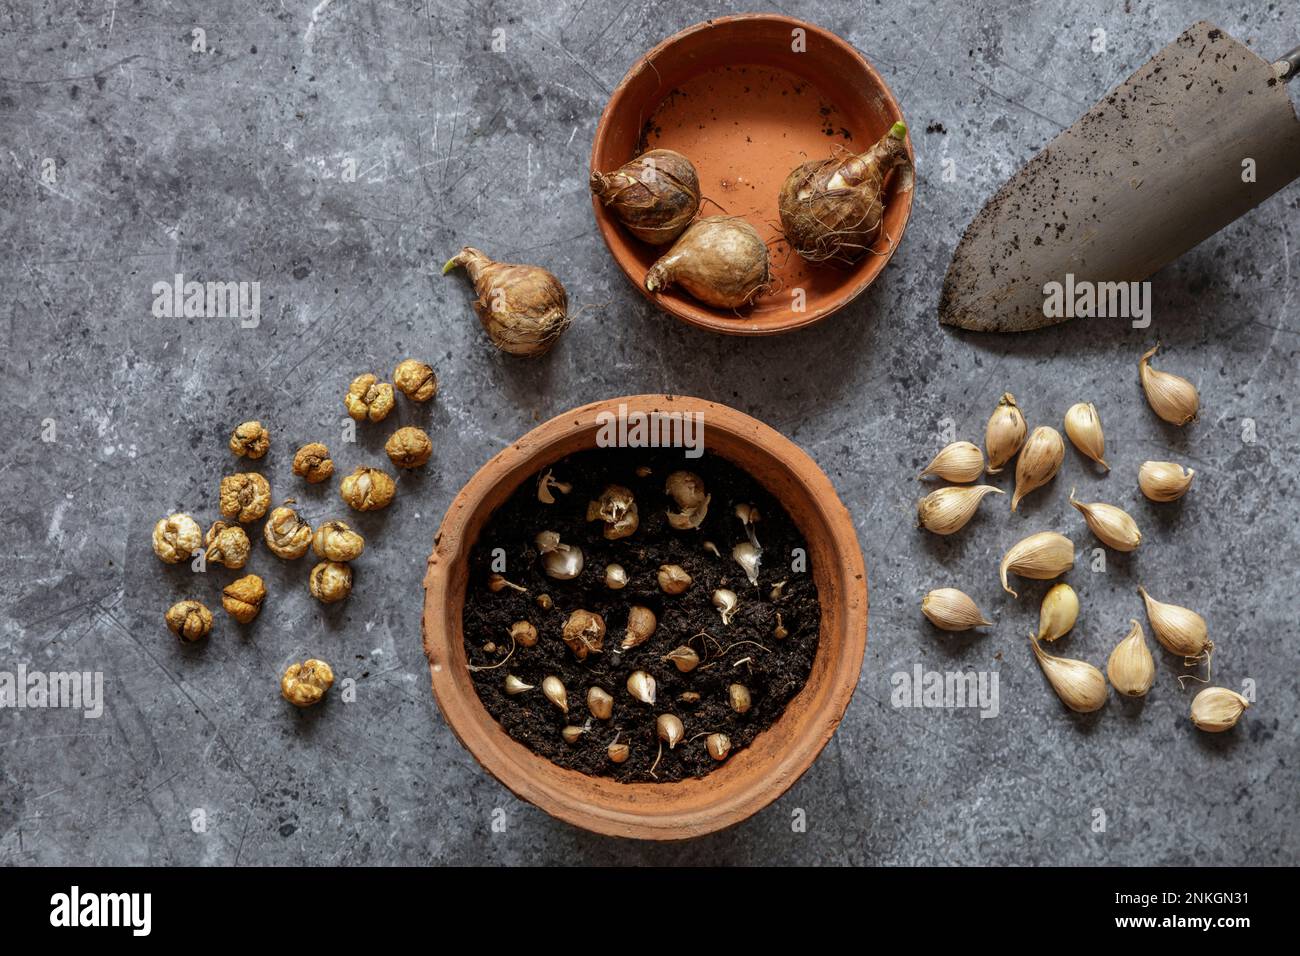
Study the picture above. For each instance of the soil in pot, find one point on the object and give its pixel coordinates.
(746, 651)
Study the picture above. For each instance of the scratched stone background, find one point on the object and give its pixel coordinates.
(227, 165)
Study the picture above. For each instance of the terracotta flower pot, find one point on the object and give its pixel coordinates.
(754, 776)
(747, 99)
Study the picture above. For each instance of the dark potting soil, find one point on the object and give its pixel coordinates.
(745, 651)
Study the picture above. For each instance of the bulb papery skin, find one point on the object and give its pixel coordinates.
(1083, 428)
(719, 260)
(655, 195)
(523, 308)
(832, 209)
(1004, 434)
(1171, 396)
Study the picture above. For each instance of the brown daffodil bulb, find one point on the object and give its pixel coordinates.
(408, 447)
(369, 399)
(245, 497)
(250, 440)
(312, 462)
(415, 380)
(368, 489)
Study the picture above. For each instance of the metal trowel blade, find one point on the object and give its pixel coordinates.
(1197, 137)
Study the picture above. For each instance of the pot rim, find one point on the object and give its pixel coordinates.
(702, 316)
(568, 794)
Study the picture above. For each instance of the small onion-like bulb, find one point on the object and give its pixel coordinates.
(523, 308)
(554, 690)
(726, 602)
(670, 729)
(641, 686)
(739, 697)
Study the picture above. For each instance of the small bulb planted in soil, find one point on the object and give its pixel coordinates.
(584, 633)
(641, 686)
(780, 632)
(497, 583)
(749, 558)
(560, 561)
(739, 698)
(673, 579)
(615, 577)
(1004, 434)
(778, 591)
(544, 601)
(1058, 612)
(687, 491)
(490, 647)
(514, 686)
(1131, 668)
(600, 703)
(959, 462)
(683, 658)
(523, 633)
(617, 509)
(689, 697)
(1083, 426)
(641, 623)
(1217, 709)
(571, 734)
(670, 729)
(547, 485)
(712, 548)
(553, 689)
(718, 746)
(726, 602)
(1164, 480)
(618, 753)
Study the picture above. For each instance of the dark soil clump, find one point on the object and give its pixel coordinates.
(746, 651)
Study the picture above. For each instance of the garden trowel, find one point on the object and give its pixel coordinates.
(1200, 135)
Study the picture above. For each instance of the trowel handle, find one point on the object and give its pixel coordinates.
(1289, 66)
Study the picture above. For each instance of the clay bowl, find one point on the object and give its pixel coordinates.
(733, 96)
(753, 777)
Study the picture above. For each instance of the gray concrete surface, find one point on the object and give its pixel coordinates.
(228, 165)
